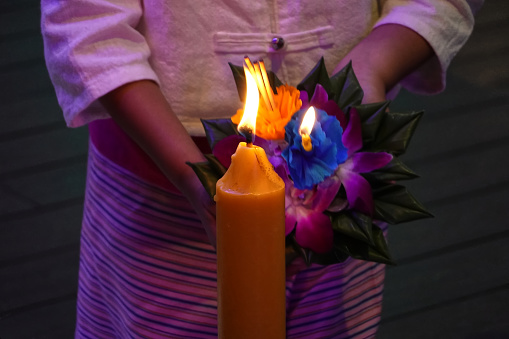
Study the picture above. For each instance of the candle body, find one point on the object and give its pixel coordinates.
(251, 248)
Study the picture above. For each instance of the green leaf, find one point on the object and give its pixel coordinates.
(216, 165)
(394, 204)
(209, 173)
(217, 129)
(353, 224)
(240, 80)
(318, 75)
(395, 170)
(380, 251)
(274, 81)
(346, 89)
(344, 246)
(332, 257)
(360, 250)
(294, 250)
(371, 116)
(395, 132)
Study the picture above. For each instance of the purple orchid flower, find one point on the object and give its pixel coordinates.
(304, 213)
(358, 190)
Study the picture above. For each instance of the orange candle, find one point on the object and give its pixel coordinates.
(251, 244)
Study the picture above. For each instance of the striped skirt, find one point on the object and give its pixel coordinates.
(148, 271)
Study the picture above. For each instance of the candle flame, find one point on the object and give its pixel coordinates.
(306, 127)
(307, 123)
(247, 125)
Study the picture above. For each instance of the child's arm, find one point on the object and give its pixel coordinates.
(384, 57)
(412, 44)
(94, 50)
(143, 112)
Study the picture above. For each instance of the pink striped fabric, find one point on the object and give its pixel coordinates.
(147, 271)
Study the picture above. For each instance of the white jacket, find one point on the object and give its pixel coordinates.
(94, 46)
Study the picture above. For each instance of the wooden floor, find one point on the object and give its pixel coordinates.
(452, 280)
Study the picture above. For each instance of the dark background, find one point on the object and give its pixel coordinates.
(452, 278)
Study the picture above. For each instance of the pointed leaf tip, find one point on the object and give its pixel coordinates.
(217, 129)
(394, 204)
(207, 175)
(395, 132)
(318, 75)
(346, 88)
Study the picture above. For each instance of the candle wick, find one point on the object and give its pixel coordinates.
(247, 133)
(249, 138)
(306, 142)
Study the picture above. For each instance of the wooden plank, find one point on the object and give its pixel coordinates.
(53, 186)
(42, 278)
(459, 94)
(52, 321)
(21, 49)
(479, 47)
(34, 150)
(19, 83)
(27, 19)
(41, 232)
(30, 113)
(495, 76)
(10, 203)
(492, 13)
(450, 133)
(458, 222)
(443, 278)
(9, 6)
(481, 317)
(490, 30)
(451, 175)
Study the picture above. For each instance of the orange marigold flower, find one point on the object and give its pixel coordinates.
(270, 124)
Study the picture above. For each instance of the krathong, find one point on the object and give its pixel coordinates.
(340, 170)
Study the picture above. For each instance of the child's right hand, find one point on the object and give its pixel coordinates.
(205, 208)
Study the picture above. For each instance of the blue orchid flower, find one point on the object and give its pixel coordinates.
(308, 168)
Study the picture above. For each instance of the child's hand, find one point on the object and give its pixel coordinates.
(205, 209)
(385, 57)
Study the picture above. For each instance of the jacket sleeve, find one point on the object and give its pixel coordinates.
(92, 47)
(444, 24)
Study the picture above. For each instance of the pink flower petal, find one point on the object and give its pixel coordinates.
(304, 97)
(352, 135)
(281, 169)
(358, 192)
(364, 162)
(290, 222)
(332, 108)
(259, 141)
(225, 148)
(321, 101)
(315, 232)
(319, 97)
(325, 193)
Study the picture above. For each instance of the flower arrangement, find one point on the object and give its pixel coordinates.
(340, 177)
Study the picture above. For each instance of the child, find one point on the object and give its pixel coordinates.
(142, 73)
